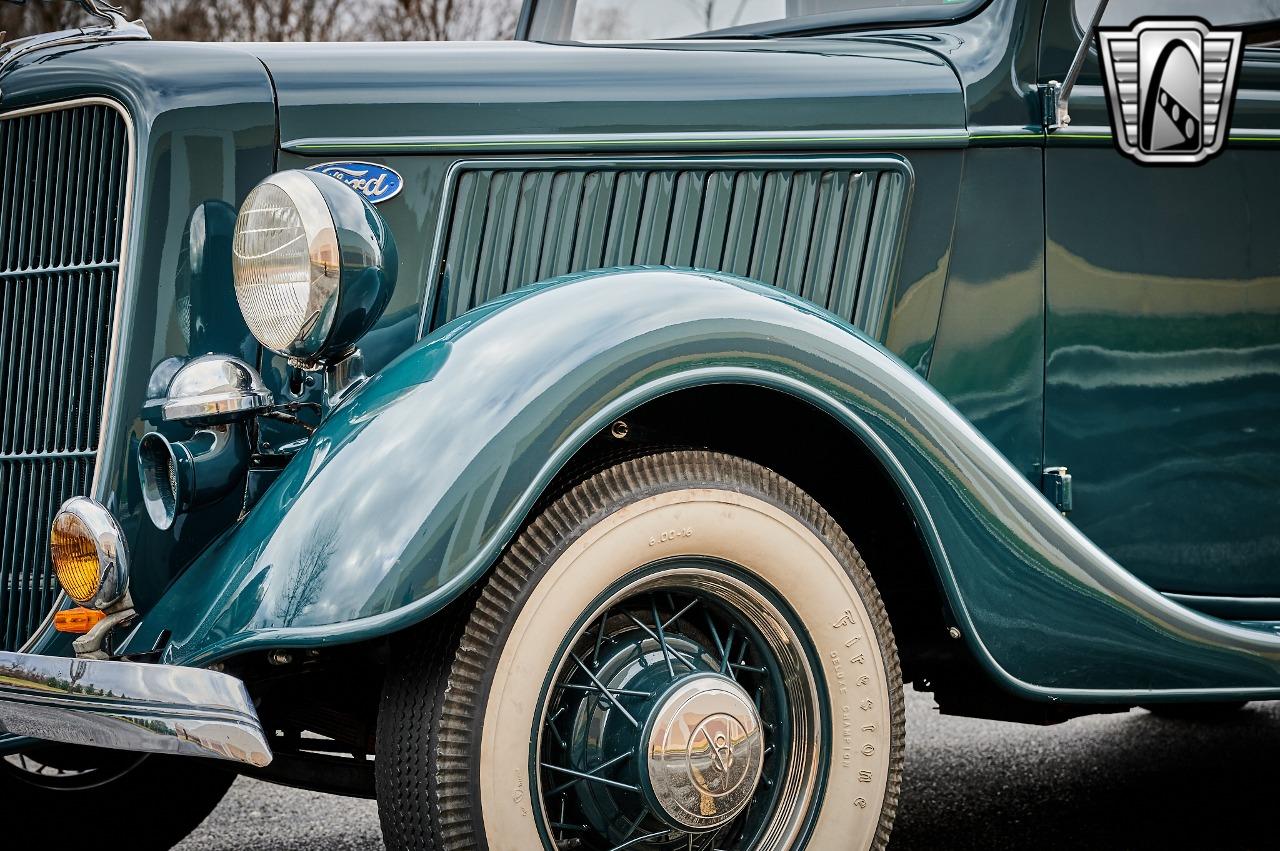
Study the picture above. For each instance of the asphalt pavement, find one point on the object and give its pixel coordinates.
(1130, 781)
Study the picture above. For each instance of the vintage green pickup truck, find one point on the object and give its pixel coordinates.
(578, 442)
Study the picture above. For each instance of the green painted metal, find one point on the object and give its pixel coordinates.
(1163, 348)
(472, 423)
(419, 109)
(990, 352)
(828, 230)
(459, 97)
(409, 491)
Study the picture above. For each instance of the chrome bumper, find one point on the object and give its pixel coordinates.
(130, 706)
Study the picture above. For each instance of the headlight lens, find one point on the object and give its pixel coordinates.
(287, 266)
(88, 553)
(75, 558)
(314, 266)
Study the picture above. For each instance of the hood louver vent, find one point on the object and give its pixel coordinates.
(825, 230)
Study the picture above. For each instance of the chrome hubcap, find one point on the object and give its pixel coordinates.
(705, 752)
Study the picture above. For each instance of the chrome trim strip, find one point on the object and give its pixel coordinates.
(531, 143)
(1103, 132)
(131, 706)
(97, 488)
(1257, 609)
(32, 456)
(45, 270)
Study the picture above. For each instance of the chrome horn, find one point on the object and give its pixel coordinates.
(219, 396)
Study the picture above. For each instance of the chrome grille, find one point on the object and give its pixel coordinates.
(62, 218)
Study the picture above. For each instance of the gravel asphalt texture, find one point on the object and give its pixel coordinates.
(1130, 781)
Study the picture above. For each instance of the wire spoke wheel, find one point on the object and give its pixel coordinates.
(683, 652)
(682, 717)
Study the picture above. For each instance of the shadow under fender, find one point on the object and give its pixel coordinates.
(408, 493)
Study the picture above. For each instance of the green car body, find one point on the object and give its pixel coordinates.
(860, 254)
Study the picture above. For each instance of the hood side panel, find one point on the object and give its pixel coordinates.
(497, 95)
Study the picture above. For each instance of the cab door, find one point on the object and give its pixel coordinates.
(1162, 381)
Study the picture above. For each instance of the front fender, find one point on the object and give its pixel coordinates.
(410, 490)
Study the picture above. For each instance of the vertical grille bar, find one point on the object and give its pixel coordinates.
(62, 213)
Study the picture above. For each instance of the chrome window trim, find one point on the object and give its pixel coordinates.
(97, 488)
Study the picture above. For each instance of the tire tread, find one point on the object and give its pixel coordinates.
(455, 689)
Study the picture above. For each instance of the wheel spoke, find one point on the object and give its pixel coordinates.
(604, 690)
(613, 672)
(715, 634)
(635, 823)
(632, 842)
(682, 657)
(617, 692)
(595, 656)
(662, 639)
(551, 725)
(728, 648)
(590, 774)
(582, 775)
(676, 617)
(738, 666)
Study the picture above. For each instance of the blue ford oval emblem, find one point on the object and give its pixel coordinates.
(375, 182)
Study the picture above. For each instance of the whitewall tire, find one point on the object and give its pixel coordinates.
(684, 651)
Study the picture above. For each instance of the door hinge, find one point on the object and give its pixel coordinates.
(1053, 106)
(1055, 482)
(1054, 95)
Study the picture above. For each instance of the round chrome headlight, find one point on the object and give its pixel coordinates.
(314, 265)
(89, 554)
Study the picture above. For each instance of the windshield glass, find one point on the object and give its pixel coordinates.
(610, 20)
